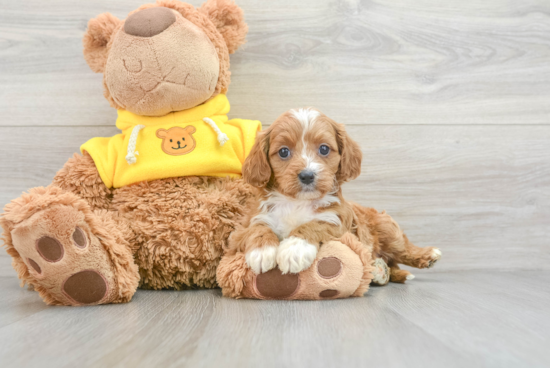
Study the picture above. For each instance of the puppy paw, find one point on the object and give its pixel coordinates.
(295, 255)
(426, 258)
(435, 256)
(262, 259)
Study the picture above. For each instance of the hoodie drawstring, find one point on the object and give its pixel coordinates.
(222, 137)
(131, 156)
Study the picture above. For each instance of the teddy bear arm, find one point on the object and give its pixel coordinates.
(79, 175)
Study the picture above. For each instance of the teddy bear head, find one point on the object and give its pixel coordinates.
(168, 56)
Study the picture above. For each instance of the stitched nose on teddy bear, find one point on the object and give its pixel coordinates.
(149, 22)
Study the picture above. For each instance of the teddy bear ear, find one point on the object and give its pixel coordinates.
(190, 129)
(162, 133)
(97, 36)
(229, 20)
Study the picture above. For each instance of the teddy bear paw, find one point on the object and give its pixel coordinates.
(336, 272)
(65, 260)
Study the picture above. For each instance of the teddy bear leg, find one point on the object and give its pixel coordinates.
(68, 253)
(341, 269)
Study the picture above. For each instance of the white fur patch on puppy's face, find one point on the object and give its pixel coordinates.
(307, 117)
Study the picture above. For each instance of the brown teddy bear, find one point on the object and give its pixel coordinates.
(154, 206)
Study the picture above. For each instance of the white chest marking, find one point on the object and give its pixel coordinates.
(283, 214)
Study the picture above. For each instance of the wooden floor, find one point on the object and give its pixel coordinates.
(450, 319)
(450, 101)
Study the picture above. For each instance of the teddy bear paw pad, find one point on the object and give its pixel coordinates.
(274, 285)
(34, 265)
(50, 249)
(86, 287)
(329, 267)
(329, 293)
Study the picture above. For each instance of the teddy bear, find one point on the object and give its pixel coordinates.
(153, 206)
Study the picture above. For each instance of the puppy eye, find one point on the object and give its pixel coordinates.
(170, 140)
(284, 152)
(183, 139)
(324, 150)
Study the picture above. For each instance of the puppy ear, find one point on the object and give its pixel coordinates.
(256, 168)
(350, 154)
(228, 19)
(96, 38)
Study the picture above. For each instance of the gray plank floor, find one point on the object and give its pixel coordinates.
(450, 103)
(449, 319)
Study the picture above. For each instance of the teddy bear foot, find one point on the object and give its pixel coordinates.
(341, 269)
(58, 253)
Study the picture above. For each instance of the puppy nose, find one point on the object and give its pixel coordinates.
(306, 177)
(149, 22)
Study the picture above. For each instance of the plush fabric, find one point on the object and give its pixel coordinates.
(97, 39)
(157, 145)
(180, 227)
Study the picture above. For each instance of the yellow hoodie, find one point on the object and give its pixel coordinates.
(198, 141)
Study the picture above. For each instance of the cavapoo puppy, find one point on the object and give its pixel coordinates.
(299, 164)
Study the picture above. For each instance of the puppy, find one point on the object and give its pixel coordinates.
(299, 164)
